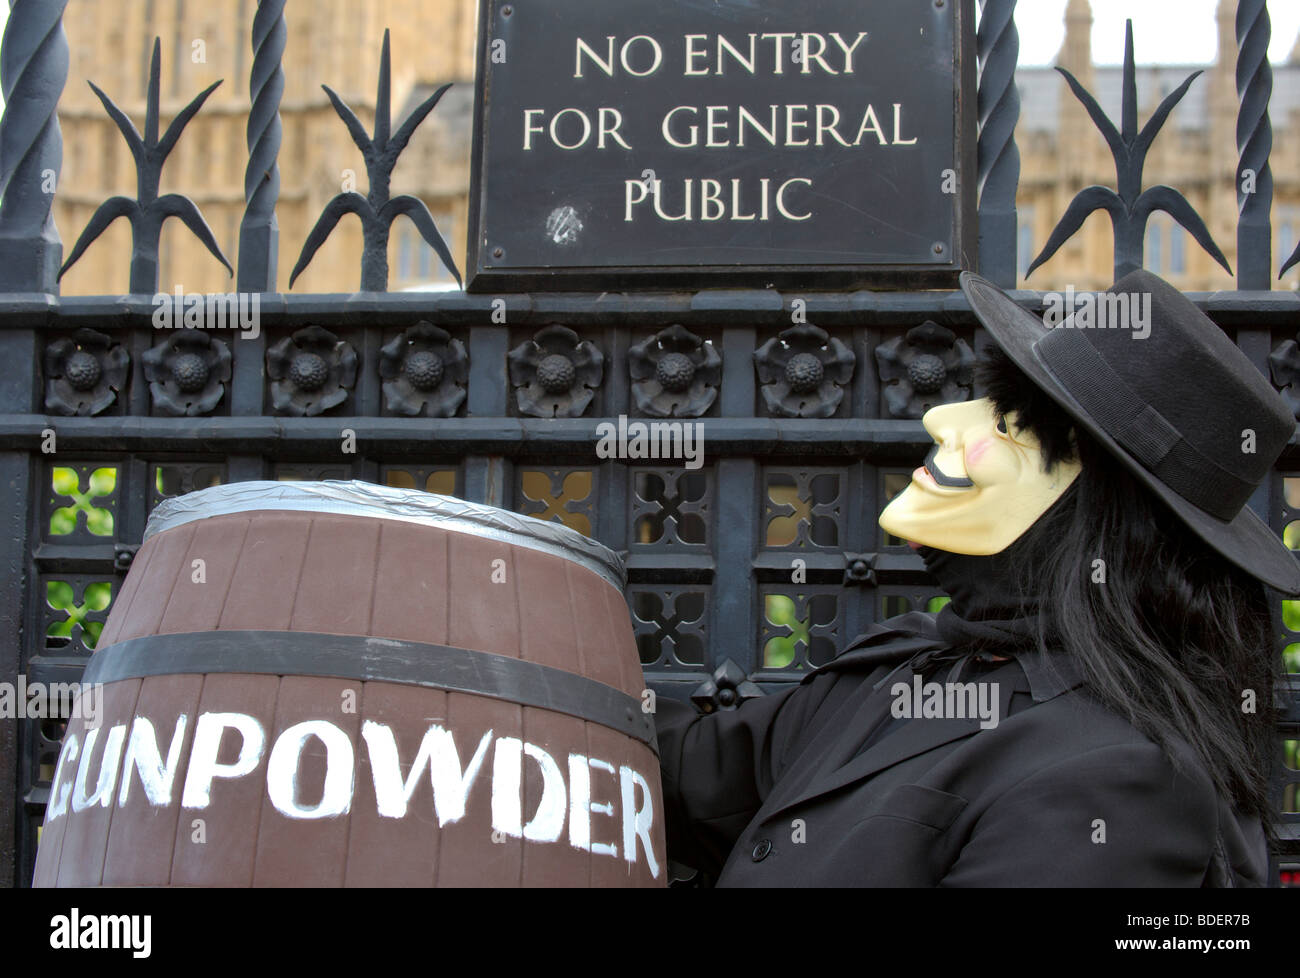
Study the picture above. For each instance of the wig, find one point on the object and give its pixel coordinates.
(1168, 633)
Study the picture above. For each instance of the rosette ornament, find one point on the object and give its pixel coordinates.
(311, 372)
(926, 366)
(674, 374)
(84, 374)
(804, 371)
(555, 374)
(187, 373)
(424, 372)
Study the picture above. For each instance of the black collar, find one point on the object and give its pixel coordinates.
(912, 636)
(1049, 673)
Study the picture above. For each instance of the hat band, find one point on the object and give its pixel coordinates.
(1142, 430)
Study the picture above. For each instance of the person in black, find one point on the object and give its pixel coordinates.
(1107, 640)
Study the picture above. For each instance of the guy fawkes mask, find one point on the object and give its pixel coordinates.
(982, 485)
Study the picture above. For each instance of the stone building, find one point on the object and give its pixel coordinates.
(1062, 152)
(338, 43)
(332, 42)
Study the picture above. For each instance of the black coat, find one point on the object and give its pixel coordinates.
(1061, 792)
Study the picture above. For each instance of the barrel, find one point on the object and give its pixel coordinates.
(344, 684)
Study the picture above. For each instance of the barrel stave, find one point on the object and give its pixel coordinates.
(229, 823)
(469, 855)
(411, 601)
(81, 858)
(385, 851)
(143, 837)
(167, 562)
(197, 591)
(260, 593)
(334, 590)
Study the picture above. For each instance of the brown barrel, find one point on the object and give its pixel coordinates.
(343, 684)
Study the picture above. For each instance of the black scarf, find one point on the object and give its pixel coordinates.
(993, 607)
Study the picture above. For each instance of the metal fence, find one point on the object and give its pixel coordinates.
(744, 571)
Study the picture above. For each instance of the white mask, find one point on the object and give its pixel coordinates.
(982, 487)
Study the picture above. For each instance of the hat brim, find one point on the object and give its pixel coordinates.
(1245, 540)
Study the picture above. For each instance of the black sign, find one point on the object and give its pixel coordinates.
(827, 143)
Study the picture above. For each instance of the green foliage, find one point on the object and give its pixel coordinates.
(780, 651)
(1291, 534)
(60, 596)
(66, 482)
(1291, 619)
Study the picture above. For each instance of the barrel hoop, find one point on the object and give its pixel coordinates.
(370, 659)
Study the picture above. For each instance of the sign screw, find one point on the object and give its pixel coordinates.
(507, 10)
(938, 248)
(498, 252)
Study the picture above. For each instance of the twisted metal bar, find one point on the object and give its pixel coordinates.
(998, 47)
(1254, 144)
(33, 70)
(258, 232)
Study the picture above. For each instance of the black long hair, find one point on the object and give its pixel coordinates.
(1176, 633)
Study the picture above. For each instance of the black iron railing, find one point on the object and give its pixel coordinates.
(744, 571)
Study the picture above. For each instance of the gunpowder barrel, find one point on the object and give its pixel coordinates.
(344, 684)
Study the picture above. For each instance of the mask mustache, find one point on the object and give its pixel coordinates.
(942, 478)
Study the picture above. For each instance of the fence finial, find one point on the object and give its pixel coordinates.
(377, 211)
(1131, 208)
(148, 211)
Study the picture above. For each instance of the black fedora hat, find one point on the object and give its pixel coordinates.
(1176, 402)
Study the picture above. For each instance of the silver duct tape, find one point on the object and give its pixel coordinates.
(389, 503)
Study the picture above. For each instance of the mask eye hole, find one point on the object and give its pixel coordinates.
(1002, 424)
